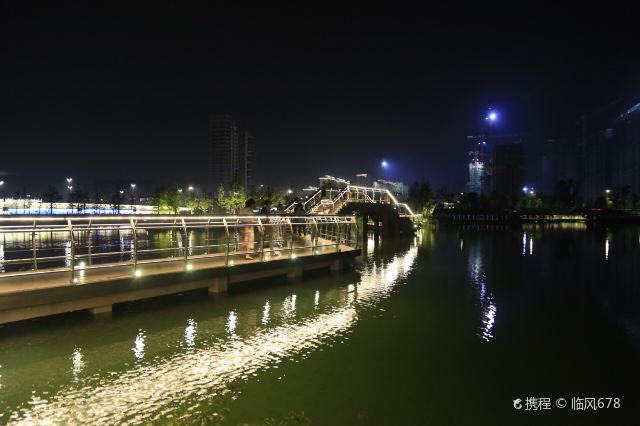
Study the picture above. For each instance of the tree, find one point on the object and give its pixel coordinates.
(421, 198)
(233, 200)
(600, 203)
(443, 195)
(80, 198)
(51, 196)
(117, 198)
(621, 197)
(269, 196)
(166, 200)
(564, 194)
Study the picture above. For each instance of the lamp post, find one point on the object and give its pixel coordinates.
(133, 188)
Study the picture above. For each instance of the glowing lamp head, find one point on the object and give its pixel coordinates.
(384, 163)
(492, 116)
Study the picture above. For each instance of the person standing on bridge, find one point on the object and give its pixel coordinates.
(299, 211)
(247, 232)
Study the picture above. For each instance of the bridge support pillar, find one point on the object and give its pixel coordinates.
(336, 266)
(219, 285)
(101, 311)
(294, 273)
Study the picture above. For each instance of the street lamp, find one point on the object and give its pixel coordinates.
(190, 188)
(180, 190)
(384, 163)
(69, 181)
(289, 191)
(133, 188)
(1, 189)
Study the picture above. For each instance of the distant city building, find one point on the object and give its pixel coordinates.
(230, 153)
(398, 189)
(245, 159)
(508, 172)
(362, 179)
(332, 182)
(496, 164)
(562, 159)
(611, 139)
(479, 167)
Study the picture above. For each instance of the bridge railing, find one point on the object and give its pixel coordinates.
(78, 246)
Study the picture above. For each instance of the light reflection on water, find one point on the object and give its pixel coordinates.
(190, 334)
(138, 346)
(179, 383)
(478, 279)
(77, 363)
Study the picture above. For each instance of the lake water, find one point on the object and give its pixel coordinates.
(449, 327)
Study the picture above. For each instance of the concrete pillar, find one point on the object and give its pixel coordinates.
(336, 265)
(101, 311)
(294, 273)
(219, 285)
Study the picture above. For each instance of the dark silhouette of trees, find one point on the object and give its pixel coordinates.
(51, 196)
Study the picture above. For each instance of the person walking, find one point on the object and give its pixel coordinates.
(247, 232)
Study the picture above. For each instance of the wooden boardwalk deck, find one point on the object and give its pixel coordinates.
(47, 292)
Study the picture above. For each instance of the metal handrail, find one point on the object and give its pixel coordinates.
(220, 237)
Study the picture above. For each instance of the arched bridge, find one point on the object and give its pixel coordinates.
(332, 200)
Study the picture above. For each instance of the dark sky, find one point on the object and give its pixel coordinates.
(125, 94)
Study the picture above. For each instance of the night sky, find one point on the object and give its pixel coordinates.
(121, 94)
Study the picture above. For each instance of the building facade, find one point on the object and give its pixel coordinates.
(231, 153)
(508, 174)
(611, 141)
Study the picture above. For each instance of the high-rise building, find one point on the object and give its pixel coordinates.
(562, 159)
(479, 167)
(230, 153)
(508, 169)
(246, 144)
(611, 139)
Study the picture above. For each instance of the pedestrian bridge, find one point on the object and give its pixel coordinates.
(332, 200)
(58, 264)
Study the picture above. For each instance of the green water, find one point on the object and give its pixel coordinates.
(446, 328)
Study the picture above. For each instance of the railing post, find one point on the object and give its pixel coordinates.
(185, 246)
(72, 262)
(206, 235)
(134, 254)
(291, 240)
(33, 246)
(314, 232)
(261, 227)
(226, 228)
(90, 243)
